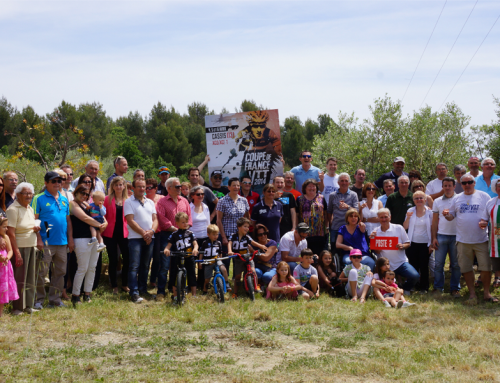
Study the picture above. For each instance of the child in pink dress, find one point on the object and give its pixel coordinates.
(283, 285)
(8, 287)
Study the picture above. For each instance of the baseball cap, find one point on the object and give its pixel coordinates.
(302, 227)
(163, 169)
(355, 252)
(51, 176)
(399, 159)
(216, 173)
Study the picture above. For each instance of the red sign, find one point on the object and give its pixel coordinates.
(384, 243)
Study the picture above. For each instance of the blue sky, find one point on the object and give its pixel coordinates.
(303, 58)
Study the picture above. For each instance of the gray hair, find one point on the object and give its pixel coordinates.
(459, 168)
(387, 181)
(194, 190)
(384, 210)
(137, 171)
(467, 176)
(403, 178)
(289, 173)
(24, 185)
(170, 181)
(488, 159)
(91, 162)
(442, 164)
(345, 175)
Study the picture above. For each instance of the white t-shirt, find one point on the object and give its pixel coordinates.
(287, 243)
(445, 227)
(489, 206)
(200, 221)
(331, 185)
(433, 187)
(303, 275)
(396, 257)
(142, 212)
(468, 211)
(478, 174)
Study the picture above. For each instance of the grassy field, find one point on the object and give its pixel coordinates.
(330, 339)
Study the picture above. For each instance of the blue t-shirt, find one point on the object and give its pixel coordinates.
(53, 214)
(269, 217)
(481, 185)
(357, 240)
(301, 175)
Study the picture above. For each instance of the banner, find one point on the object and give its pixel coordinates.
(384, 243)
(245, 144)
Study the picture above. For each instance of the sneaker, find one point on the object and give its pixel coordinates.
(387, 304)
(57, 305)
(174, 300)
(75, 300)
(136, 298)
(400, 304)
(38, 306)
(17, 312)
(407, 304)
(29, 310)
(147, 295)
(92, 241)
(234, 296)
(407, 292)
(100, 247)
(456, 294)
(160, 297)
(86, 298)
(258, 290)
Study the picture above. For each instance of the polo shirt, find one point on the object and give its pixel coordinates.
(396, 257)
(383, 199)
(8, 200)
(22, 219)
(252, 198)
(142, 212)
(301, 175)
(389, 176)
(288, 201)
(269, 217)
(399, 205)
(350, 198)
(53, 214)
(482, 186)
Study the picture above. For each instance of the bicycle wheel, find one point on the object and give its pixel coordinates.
(220, 289)
(181, 287)
(250, 286)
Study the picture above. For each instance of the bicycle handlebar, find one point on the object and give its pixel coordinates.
(208, 261)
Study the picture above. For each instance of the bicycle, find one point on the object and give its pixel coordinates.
(218, 281)
(181, 276)
(249, 279)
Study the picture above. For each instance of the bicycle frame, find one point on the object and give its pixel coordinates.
(217, 272)
(247, 258)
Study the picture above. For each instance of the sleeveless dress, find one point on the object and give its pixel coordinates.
(8, 287)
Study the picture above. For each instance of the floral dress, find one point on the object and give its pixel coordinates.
(312, 212)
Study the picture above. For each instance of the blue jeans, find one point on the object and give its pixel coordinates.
(264, 273)
(447, 244)
(366, 260)
(140, 256)
(408, 271)
(164, 263)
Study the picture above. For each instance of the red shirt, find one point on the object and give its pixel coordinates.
(253, 198)
(166, 210)
(295, 193)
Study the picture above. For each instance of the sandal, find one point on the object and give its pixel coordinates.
(491, 300)
(496, 283)
(478, 282)
(362, 300)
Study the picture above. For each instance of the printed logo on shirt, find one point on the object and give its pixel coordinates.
(284, 200)
(466, 208)
(252, 201)
(262, 211)
(183, 243)
(48, 204)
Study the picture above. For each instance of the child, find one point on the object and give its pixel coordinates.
(381, 267)
(239, 242)
(328, 278)
(307, 275)
(283, 285)
(358, 277)
(8, 287)
(97, 211)
(211, 249)
(185, 188)
(182, 240)
(394, 298)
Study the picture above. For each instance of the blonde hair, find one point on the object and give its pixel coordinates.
(99, 195)
(2, 220)
(114, 181)
(420, 194)
(61, 173)
(181, 215)
(212, 229)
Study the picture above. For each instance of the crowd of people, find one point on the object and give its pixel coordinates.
(314, 231)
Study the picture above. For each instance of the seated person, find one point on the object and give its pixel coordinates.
(283, 285)
(307, 275)
(358, 277)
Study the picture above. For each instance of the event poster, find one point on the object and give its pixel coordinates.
(246, 143)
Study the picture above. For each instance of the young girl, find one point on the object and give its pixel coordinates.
(8, 287)
(381, 267)
(283, 285)
(395, 299)
(328, 278)
(358, 277)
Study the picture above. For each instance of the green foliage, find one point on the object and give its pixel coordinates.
(293, 140)
(250, 106)
(487, 137)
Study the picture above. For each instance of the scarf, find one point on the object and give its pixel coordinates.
(495, 231)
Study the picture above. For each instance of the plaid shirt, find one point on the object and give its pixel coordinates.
(231, 212)
(166, 209)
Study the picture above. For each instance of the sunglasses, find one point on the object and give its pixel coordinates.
(217, 178)
(246, 183)
(261, 234)
(271, 191)
(418, 198)
(356, 256)
(178, 186)
(87, 182)
(418, 187)
(467, 182)
(1, 185)
(199, 194)
(150, 188)
(86, 194)
(371, 189)
(306, 156)
(56, 181)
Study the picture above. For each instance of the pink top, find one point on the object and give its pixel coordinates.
(166, 210)
(111, 218)
(293, 294)
(382, 291)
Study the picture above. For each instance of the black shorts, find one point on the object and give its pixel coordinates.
(189, 264)
(308, 287)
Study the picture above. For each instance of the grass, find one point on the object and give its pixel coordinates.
(112, 339)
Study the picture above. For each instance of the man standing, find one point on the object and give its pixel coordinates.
(140, 213)
(289, 181)
(10, 180)
(473, 165)
(388, 190)
(167, 208)
(246, 191)
(444, 239)
(306, 170)
(458, 172)
(483, 182)
(217, 188)
(291, 244)
(163, 175)
(66, 185)
(92, 169)
(468, 209)
(121, 167)
(399, 202)
(209, 198)
(359, 180)
(339, 202)
(330, 181)
(52, 209)
(398, 166)
(287, 199)
(435, 187)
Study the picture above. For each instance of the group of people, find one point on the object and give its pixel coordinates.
(302, 222)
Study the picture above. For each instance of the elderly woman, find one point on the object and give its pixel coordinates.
(418, 223)
(420, 186)
(269, 212)
(86, 254)
(312, 209)
(23, 234)
(369, 207)
(265, 265)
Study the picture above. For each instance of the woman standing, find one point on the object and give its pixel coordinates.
(200, 214)
(369, 207)
(86, 254)
(24, 238)
(116, 233)
(265, 265)
(311, 209)
(269, 212)
(2, 198)
(418, 223)
(418, 185)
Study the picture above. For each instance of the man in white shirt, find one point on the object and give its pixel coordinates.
(444, 239)
(92, 169)
(468, 210)
(435, 187)
(330, 181)
(291, 244)
(473, 165)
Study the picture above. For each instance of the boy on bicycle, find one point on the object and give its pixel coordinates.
(239, 243)
(210, 249)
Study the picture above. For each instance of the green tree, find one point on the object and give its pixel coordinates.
(250, 106)
(293, 140)
(487, 137)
